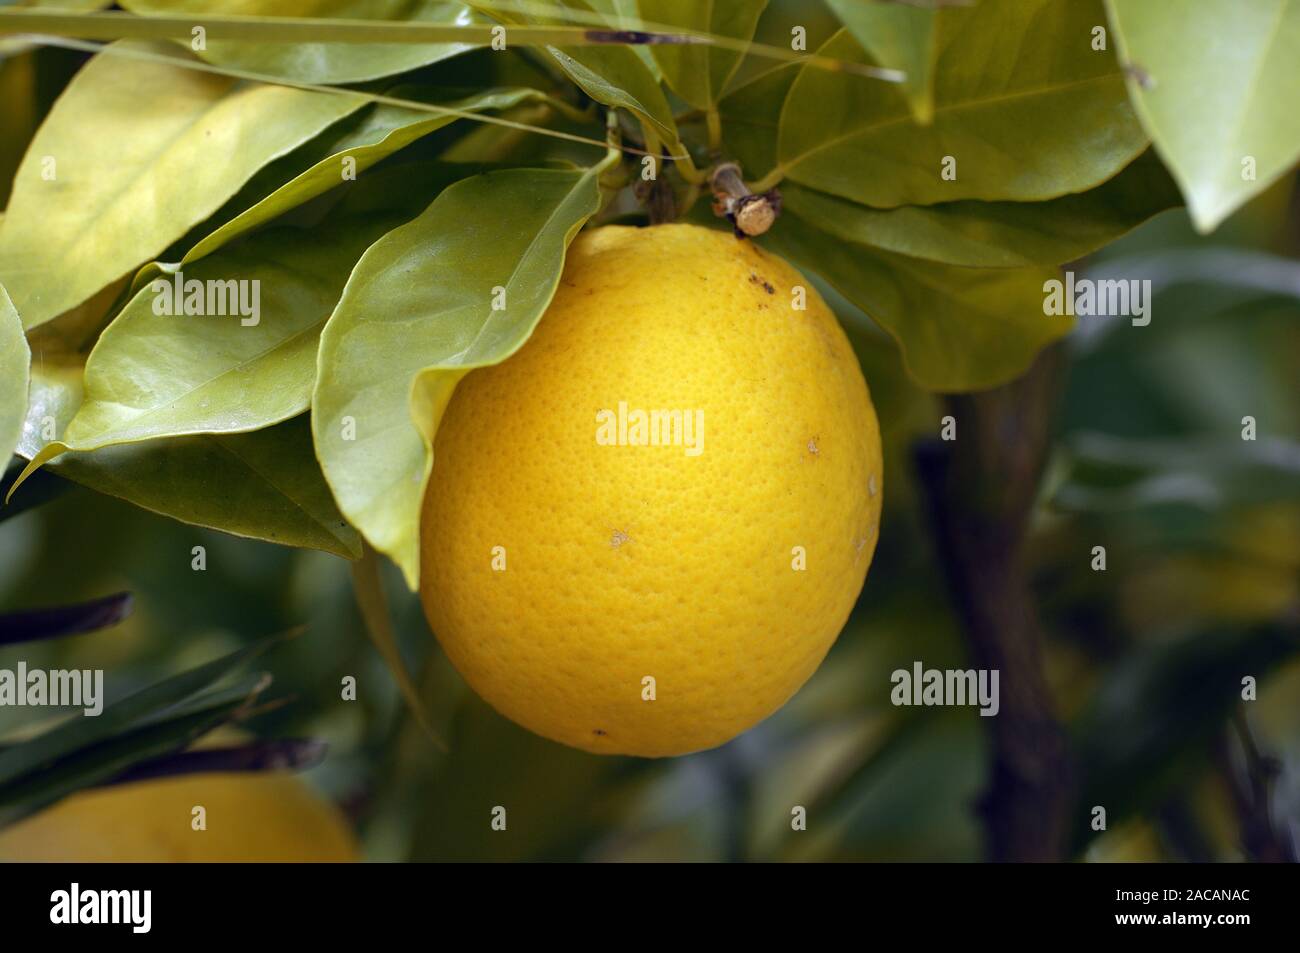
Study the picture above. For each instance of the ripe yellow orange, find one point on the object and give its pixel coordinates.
(267, 817)
(627, 594)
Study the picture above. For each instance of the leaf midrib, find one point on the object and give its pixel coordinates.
(146, 413)
(906, 116)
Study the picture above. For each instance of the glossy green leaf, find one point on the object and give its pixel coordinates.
(1023, 105)
(697, 73)
(132, 156)
(417, 314)
(959, 329)
(15, 364)
(1215, 85)
(781, 22)
(750, 108)
(263, 485)
(751, 117)
(615, 77)
(237, 366)
(612, 75)
(998, 234)
(322, 63)
(901, 36)
(350, 147)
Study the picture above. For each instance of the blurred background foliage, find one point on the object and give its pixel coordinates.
(1145, 659)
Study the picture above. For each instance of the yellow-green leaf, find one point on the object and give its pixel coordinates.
(15, 365)
(134, 154)
(900, 36)
(998, 234)
(959, 329)
(322, 63)
(1024, 109)
(158, 372)
(1216, 84)
(698, 73)
(460, 287)
(264, 485)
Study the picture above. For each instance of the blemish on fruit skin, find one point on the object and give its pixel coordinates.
(618, 539)
(871, 484)
(813, 448)
(599, 732)
(761, 282)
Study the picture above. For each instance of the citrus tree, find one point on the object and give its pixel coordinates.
(253, 250)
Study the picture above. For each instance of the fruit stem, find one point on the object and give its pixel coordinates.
(752, 214)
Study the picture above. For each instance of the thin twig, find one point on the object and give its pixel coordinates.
(1251, 786)
(114, 25)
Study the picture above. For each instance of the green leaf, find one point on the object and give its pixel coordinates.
(141, 152)
(959, 329)
(169, 729)
(1152, 720)
(416, 315)
(322, 63)
(697, 73)
(615, 77)
(901, 36)
(121, 716)
(262, 485)
(751, 117)
(368, 585)
(375, 134)
(611, 75)
(751, 106)
(780, 23)
(998, 234)
(623, 15)
(1022, 104)
(15, 372)
(109, 760)
(1105, 473)
(1214, 83)
(156, 375)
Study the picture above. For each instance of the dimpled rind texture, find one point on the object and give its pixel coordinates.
(629, 562)
(268, 817)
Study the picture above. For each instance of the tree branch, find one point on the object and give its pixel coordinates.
(980, 490)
